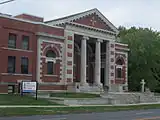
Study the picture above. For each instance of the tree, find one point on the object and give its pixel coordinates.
(144, 56)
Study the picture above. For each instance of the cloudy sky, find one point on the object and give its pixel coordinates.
(140, 13)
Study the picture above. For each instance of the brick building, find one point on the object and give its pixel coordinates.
(77, 52)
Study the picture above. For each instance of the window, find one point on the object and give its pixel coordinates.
(50, 54)
(12, 40)
(119, 72)
(24, 65)
(119, 66)
(50, 68)
(25, 42)
(11, 64)
(50, 64)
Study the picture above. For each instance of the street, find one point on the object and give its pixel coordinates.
(152, 114)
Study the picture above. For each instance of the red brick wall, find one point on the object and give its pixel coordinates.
(17, 53)
(21, 28)
(51, 87)
(3, 88)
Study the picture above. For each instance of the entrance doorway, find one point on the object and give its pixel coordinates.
(102, 75)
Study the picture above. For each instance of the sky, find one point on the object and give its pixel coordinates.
(128, 13)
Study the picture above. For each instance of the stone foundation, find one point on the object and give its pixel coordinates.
(130, 98)
(76, 87)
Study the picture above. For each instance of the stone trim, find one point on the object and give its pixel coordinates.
(126, 65)
(111, 46)
(16, 74)
(17, 49)
(40, 56)
(49, 35)
(61, 63)
(39, 61)
(122, 44)
(69, 55)
(51, 75)
(124, 49)
(53, 46)
(91, 28)
(48, 41)
(90, 33)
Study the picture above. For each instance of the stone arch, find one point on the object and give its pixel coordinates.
(120, 60)
(53, 48)
(120, 63)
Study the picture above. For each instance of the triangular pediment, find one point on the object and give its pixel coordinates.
(93, 18)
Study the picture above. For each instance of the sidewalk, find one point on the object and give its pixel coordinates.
(56, 106)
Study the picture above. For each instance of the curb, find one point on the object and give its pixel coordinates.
(42, 106)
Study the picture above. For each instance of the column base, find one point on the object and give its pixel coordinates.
(98, 84)
(84, 84)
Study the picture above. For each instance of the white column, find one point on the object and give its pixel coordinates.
(83, 60)
(107, 67)
(97, 74)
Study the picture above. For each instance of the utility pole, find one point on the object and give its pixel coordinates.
(1, 3)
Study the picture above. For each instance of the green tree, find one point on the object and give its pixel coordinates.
(144, 56)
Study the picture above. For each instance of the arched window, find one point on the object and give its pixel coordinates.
(119, 62)
(50, 64)
(51, 54)
(119, 66)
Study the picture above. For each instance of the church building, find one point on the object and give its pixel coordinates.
(75, 53)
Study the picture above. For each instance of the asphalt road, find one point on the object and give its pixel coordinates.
(153, 114)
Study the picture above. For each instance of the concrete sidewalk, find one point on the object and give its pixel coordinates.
(56, 106)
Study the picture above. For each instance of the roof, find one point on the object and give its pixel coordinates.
(73, 17)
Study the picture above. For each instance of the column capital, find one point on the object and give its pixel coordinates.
(85, 38)
(99, 40)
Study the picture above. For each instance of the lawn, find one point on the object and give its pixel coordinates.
(74, 95)
(15, 99)
(66, 110)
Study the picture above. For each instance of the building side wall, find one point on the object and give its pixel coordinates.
(30, 29)
(122, 52)
(68, 57)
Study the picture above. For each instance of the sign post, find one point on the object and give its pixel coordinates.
(29, 87)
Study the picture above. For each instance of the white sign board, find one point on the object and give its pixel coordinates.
(29, 86)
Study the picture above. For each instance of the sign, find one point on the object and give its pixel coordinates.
(29, 87)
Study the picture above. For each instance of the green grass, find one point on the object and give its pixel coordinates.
(74, 95)
(65, 110)
(15, 99)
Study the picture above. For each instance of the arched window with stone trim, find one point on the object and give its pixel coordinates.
(50, 64)
(119, 68)
(51, 54)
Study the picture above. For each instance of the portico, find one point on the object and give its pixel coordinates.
(91, 51)
(97, 64)
(90, 55)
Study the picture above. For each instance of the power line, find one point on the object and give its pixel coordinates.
(6, 2)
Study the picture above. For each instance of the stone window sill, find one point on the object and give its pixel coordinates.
(16, 74)
(119, 78)
(51, 75)
(17, 49)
